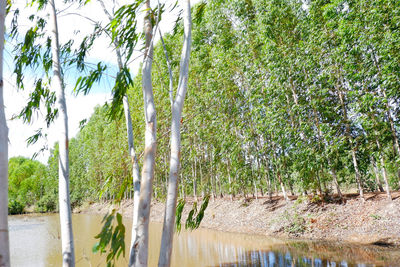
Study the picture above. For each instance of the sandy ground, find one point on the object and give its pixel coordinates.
(377, 221)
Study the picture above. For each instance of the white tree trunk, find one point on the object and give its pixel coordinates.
(170, 207)
(134, 161)
(67, 240)
(135, 172)
(131, 146)
(4, 240)
(139, 255)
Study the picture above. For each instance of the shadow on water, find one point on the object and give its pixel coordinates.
(318, 254)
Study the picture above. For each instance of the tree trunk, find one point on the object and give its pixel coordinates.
(134, 160)
(268, 179)
(384, 173)
(353, 149)
(67, 240)
(195, 179)
(4, 239)
(170, 207)
(385, 179)
(376, 171)
(282, 187)
(135, 172)
(335, 180)
(139, 256)
(131, 146)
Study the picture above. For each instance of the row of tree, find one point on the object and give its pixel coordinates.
(283, 95)
(304, 98)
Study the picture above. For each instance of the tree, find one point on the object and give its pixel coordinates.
(47, 57)
(139, 254)
(177, 106)
(67, 239)
(4, 242)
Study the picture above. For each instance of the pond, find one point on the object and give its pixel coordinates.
(35, 241)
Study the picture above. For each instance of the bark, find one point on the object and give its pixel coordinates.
(268, 179)
(384, 173)
(4, 238)
(255, 188)
(170, 208)
(195, 179)
(377, 179)
(335, 180)
(135, 171)
(385, 179)
(139, 255)
(131, 148)
(282, 187)
(67, 241)
(351, 141)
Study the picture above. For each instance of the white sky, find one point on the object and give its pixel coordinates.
(80, 107)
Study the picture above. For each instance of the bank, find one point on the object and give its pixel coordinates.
(377, 221)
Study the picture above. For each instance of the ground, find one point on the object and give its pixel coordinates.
(377, 221)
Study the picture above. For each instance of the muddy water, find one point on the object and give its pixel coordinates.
(35, 241)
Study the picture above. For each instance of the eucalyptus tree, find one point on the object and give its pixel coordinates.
(4, 238)
(121, 30)
(67, 239)
(177, 106)
(48, 56)
(139, 254)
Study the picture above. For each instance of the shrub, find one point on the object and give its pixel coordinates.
(15, 207)
(46, 204)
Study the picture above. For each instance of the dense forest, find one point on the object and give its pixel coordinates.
(286, 97)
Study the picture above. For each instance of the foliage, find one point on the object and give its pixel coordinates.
(111, 238)
(15, 207)
(277, 93)
(194, 218)
(28, 183)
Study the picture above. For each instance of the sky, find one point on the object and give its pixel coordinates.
(78, 107)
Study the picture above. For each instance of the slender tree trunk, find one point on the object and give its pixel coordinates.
(134, 160)
(170, 207)
(385, 179)
(131, 146)
(331, 167)
(384, 173)
(336, 182)
(139, 256)
(230, 187)
(67, 240)
(268, 178)
(377, 178)
(351, 141)
(213, 191)
(4, 239)
(255, 189)
(135, 172)
(195, 179)
(285, 196)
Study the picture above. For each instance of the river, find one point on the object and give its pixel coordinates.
(35, 241)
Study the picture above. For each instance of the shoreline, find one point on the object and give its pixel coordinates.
(375, 222)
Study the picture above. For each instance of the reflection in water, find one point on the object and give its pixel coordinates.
(271, 258)
(35, 241)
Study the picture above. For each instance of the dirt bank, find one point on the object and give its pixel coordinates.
(377, 221)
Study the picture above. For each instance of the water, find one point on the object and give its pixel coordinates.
(35, 241)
